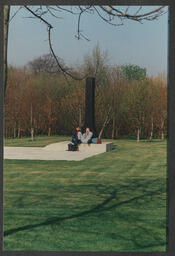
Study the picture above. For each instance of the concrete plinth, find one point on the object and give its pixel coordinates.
(83, 147)
(56, 151)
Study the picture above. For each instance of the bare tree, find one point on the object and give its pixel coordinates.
(45, 64)
(96, 65)
(113, 15)
(6, 27)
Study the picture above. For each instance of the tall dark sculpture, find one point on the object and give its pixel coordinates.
(90, 104)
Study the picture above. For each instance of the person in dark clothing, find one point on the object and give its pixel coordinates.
(76, 136)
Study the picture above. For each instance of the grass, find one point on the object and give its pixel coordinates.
(114, 201)
(39, 141)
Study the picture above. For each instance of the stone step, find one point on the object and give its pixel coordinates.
(63, 146)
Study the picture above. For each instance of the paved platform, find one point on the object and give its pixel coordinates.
(83, 147)
(55, 151)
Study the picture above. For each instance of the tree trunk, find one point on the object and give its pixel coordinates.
(32, 133)
(138, 134)
(151, 136)
(152, 128)
(6, 29)
(113, 127)
(80, 117)
(162, 135)
(14, 131)
(107, 119)
(103, 126)
(49, 131)
(6, 132)
(116, 132)
(162, 126)
(31, 122)
(113, 115)
(19, 132)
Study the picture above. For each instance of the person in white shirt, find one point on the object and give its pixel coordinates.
(86, 137)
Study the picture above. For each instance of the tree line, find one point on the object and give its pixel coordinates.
(41, 101)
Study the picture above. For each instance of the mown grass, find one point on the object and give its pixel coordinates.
(114, 201)
(39, 141)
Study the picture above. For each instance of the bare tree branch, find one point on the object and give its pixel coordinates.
(39, 17)
(51, 12)
(148, 15)
(106, 20)
(79, 34)
(138, 10)
(113, 13)
(66, 10)
(49, 27)
(15, 13)
(110, 14)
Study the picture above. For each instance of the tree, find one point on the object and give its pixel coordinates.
(73, 105)
(137, 98)
(160, 106)
(117, 97)
(45, 64)
(45, 104)
(96, 65)
(15, 99)
(133, 72)
(6, 29)
(113, 15)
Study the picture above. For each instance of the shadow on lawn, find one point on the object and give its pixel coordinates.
(151, 240)
(142, 187)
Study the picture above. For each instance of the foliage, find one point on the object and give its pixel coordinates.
(51, 105)
(133, 72)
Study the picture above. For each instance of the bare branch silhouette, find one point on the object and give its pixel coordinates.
(49, 27)
(112, 15)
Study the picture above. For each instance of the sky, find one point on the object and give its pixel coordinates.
(133, 43)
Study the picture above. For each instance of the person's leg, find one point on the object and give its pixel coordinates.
(76, 141)
(89, 142)
(79, 135)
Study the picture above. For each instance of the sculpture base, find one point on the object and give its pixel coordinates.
(56, 151)
(83, 147)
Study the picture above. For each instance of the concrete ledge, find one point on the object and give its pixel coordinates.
(63, 146)
(56, 151)
(36, 153)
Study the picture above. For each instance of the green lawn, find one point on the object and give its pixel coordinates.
(114, 201)
(39, 141)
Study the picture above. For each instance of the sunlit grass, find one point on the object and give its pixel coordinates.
(38, 141)
(114, 201)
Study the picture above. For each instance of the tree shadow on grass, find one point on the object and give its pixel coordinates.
(106, 205)
(151, 239)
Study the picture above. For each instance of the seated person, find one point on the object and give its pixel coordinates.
(76, 136)
(87, 136)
